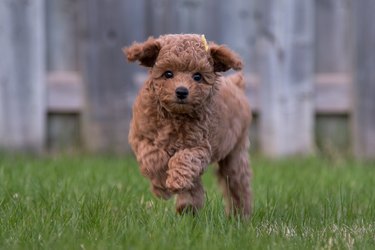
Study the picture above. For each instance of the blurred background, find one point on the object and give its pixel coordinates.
(65, 85)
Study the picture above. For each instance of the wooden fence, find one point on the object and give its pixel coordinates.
(307, 63)
(22, 85)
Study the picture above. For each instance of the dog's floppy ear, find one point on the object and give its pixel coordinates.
(224, 58)
(146, 53)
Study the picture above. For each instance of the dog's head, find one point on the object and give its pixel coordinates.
(183, 68)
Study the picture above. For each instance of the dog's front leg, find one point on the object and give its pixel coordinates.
(185, 167)
(184, 171)
(153, 163)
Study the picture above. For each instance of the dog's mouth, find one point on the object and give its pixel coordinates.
(178, 106)
(181, 107)
(181, 101)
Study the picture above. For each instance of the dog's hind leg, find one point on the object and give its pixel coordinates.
(234, 177)
(190, 201)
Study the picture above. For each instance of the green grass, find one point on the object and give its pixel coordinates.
(104, 203)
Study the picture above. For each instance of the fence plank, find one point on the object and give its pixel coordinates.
(333, 93)
(364, 87)
(332, 133)
(334, 39)
(64, 92)
(109, 87)
(161, 17)
(286, 68)
(237, 29)
(183, 16)
(63, 133)
(22, 70)
(61, 34)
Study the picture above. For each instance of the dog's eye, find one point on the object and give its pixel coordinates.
(168, 74)
(197, 77)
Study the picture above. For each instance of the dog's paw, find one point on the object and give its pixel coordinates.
(186, 209)
(177, 181)
(161, 193)
(159, 188)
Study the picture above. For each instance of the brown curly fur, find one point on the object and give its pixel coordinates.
(174, 141)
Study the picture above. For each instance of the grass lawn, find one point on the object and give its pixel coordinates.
(104, 203)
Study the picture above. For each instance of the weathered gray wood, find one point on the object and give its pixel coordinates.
(364, 87)
(252, 90)
(109, 86)
(254, 134)
(237, 29)
(22, 72)
(190, 16)
(236, 20)
(333, 94)
(64, 83)
(64, 92)
(61, 33)
(63, 133)
(332, 133)
(183, 16)
(161, 17)
(286, 68)
(334, 36)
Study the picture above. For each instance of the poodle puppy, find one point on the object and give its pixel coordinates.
(186, 116)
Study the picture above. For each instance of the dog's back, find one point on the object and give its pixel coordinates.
(237, 79)
(231, 115)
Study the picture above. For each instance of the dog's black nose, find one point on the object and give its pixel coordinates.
(182, 93)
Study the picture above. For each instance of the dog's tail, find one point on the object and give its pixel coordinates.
(237, 79)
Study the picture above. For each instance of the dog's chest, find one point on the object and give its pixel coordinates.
(177, 135)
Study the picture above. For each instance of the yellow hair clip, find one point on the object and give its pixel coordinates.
(204, 42)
